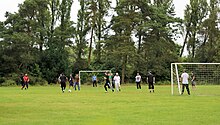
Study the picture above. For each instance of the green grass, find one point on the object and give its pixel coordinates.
(92, 106)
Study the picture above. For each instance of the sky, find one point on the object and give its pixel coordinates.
(8, 5)
(12, 6)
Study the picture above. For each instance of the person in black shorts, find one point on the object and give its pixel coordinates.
(22, 80)
(150, 81)
(71, 79)
(107, 82)
(63, 80)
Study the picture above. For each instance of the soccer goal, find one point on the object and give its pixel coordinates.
(90, 72)
(205, 74)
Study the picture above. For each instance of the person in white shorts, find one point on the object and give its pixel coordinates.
(117, 82)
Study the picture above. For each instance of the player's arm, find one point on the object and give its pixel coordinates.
(193, 78)
(154, 80)
(147, 79)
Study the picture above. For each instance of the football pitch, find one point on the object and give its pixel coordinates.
(92, 106)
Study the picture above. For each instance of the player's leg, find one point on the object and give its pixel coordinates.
(78, 86)
(183, 87)
(69, 86)
(193, 85)
(23, 85)
(153, 87)
(95, 83)
(110, 87)
(149, 87)
(187, 88)
(116, 87)
(105, 86)
(62, 87)
(27, 85)
(74, 85)
(140, 85)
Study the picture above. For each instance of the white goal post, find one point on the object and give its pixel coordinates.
(205, 73)
(91, 71)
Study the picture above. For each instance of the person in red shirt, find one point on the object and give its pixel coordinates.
(26, 81)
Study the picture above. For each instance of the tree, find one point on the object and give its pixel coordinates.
(195, 14)
(208, 36)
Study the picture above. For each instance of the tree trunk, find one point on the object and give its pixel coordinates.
(90, 47)
(123, 69)
(184, 43)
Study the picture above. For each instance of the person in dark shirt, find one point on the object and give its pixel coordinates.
(63, 80)
(150, 81)
(22, 80)
(77, 82)
(71, 80)
(107, 82)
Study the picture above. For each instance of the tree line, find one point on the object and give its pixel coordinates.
(133, 36)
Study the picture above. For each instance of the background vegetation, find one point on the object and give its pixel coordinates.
(135, 35)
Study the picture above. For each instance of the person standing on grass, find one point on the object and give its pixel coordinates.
(71, 79)
(94, 81)
(77, 82)
(63, 80)
(21, 79)
(117, 82)
(107, 82)
(26, 81)
(185, 82)
(193, 80)
(138, 81)
(150, 81)
(111, 80)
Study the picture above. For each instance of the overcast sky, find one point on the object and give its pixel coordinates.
(12, 6)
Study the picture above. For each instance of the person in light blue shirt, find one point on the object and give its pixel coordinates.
(94, 81)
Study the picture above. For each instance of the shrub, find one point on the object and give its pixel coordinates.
(2, 80)
(37, 81)
(8, 83)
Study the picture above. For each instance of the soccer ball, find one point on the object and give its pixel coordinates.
(69, 90)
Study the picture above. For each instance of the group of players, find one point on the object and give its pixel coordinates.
(73, 82)
(111, 82)
(184, 78)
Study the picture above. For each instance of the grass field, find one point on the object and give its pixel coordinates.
(92, 106)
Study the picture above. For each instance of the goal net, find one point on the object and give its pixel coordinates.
(85, 76)
(205, 74)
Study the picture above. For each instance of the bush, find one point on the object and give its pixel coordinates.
(8, 83)
(37, 81)
(2, 80)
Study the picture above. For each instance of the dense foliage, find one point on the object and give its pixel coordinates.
(132, 36)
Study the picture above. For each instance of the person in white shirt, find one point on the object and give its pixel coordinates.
(117, 82)
(138, 81)
(185, 82)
